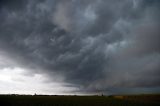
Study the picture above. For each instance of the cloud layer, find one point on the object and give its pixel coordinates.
(93, 45)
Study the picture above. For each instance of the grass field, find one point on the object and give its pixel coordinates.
(41, 100)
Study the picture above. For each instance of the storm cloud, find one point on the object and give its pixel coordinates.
(93, 45)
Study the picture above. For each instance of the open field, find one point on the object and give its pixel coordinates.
(41, 100)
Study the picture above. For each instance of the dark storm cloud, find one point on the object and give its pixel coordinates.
(14, 5)
(93, 44)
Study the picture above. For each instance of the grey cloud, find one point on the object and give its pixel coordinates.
(93, 44)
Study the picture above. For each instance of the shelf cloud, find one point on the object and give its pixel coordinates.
(87, 46)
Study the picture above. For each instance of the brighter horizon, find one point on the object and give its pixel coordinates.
(79, 47)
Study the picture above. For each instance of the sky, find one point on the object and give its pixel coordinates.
(79, 46)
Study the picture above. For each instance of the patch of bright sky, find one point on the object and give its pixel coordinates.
(17, 80)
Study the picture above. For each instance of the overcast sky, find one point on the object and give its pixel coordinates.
(79, 46)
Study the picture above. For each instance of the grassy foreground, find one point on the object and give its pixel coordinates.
(40, 100)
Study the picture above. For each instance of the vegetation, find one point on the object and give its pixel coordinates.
(42, 100)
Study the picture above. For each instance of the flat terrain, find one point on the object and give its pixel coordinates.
(41, 100)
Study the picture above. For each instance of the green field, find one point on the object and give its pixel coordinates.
(41, 100)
